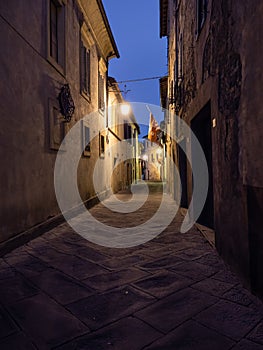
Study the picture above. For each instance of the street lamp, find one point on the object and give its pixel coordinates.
(125, 109)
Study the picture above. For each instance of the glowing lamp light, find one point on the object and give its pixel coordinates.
(125, 109)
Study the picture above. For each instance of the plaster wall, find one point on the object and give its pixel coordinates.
(30, 84)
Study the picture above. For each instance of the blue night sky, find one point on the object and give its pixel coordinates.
(135, 26)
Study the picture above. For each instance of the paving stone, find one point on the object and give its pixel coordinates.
(165, 262)
(117, 252)
(226, 276)
(167, 239)
(5, 270)
(155, 253)
(26, 264)
(37, 243)
(90, 254)
(247, 345)
(214, 287)
(194, 270)
(111, 280)
(47, 323)
(257, 334)
(192, 253)
(211, 259)
(128, 333)
(68, 234)
(150, 245)
(48, 254)
(101, 309)
(51, 234)
(192, 336)
(7, 326)
(232, 320)
(16, 288)
(163, 283)
(60, 287)
(256, 304)
(17, 342)
(117, 263)
(239, 295)
(175, 309)
(66, 246)
(77, 267)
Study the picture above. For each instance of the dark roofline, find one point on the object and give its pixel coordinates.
(163, 17)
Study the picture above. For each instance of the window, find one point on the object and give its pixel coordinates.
(201, 13)
(57, 32)
(134, 137)
(85, 70)
(86, 140)
(171, 92)
(180, 58)
(102, 145)
(101, 92)
(127, 131)
(53, 31)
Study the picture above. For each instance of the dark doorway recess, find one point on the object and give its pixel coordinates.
(201, 126)
(183, 173)
(255, 222)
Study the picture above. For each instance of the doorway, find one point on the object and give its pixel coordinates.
(183, 172)
(201, 126)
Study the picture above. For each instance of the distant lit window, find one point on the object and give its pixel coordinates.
(102, 145)
(57, 31)
(201, 13)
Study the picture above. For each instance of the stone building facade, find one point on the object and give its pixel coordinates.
(54, 61)
(214, 84)
(152, 161)
(123, 130)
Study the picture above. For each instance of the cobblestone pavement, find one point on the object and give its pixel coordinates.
(61, 291)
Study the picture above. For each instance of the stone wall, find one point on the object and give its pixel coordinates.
(222, 67)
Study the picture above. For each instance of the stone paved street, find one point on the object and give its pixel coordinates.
(61, 291)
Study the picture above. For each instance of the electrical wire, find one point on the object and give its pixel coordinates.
(139, 79)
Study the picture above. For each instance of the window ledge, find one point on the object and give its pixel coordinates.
(85, 95)
(56, 65)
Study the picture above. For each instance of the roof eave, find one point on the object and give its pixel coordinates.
(105, 18)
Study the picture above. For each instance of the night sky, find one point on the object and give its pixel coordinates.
(135, 26)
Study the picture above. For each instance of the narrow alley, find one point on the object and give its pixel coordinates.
(131, 177)
(61, 291)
